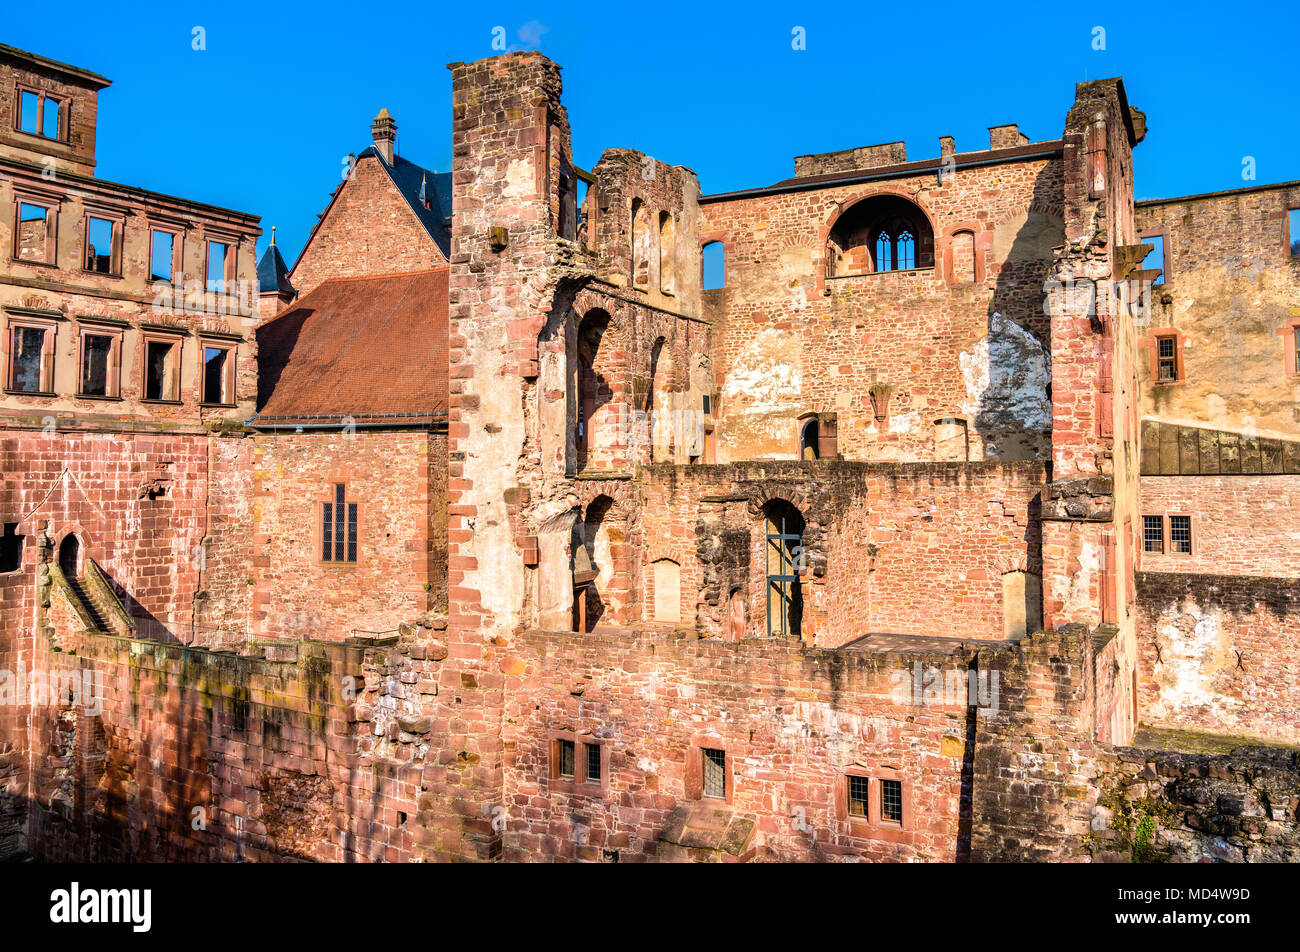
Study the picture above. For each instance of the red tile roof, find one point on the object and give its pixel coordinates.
(372, 348)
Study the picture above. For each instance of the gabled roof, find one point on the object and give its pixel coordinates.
(272, 273)
(407, 176)
(373, 349)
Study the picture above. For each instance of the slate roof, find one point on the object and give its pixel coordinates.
(371, 348)
(407, 176)
(272, 273)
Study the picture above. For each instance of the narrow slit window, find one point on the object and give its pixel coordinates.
(100, 239)
(1293, 220)
(162, 249)
(96, 356)
(858, 789)
(593, 763)
(1153, 534)
(715, 773)
(565, 751)
(1168, 369)
(28, 358)
(1180, 534)
(1297, 349)
(891, 801)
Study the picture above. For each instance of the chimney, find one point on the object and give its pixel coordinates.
(384, 130)
(947, 146)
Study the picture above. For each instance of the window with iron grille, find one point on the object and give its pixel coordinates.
(858, 787)
(1168, 358)
(891, 800)
(593, 763)
(1180, 534)
(715, 773)
(564, 750)
(1153, 533)
(339, 528)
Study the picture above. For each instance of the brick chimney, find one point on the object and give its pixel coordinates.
(384, 131)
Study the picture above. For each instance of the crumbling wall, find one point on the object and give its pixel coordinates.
(1218, 653)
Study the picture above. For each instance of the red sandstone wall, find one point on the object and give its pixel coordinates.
(369, 228)
(790, 721)
(1241, 525)
(394, 477)
(1219, 653)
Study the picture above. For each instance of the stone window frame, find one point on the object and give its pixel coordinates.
(1169, 535)
(230, 268)
(577, 784)
(1287, 237)
(64, 103)
(318, 517)
(89, 327)
(52, 205)
(873, 825)
(158, 335)
(118, 220)
(1290, 333)
(945, 250)
(693, 777)
(177, 276)
(1162, 233)
(50, 326)
(1151, 341)
(228, 384)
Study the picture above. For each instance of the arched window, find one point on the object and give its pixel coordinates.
(783, 538)
(714, 266)
(667, 251)
(640, 244)
(597, 532)
(668, 590)
(809, 444)
(882, 233)
(70, 557)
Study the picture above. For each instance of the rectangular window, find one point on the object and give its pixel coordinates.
(891, 801)
(96, 360)
(28, 360)
(101, 245)
(593, 763)
(858, 796)
(1180, 534)
(1293, 221)
(715, 773)
(29, 112)
(217, 254)
(564, 749)
(217, 382)
(34, 233)
(1168, 358)
(1153, 533)
(160, 371)
(50, 119)
(339, 528)
(11, 548)
(162, 251)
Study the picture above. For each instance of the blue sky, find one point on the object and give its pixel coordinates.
(262, 118)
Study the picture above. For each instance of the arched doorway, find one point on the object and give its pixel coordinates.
(783, 528)
(70, 556)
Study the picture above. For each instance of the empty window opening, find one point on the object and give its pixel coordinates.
(667, 253)
(884, 233)
(218, 253)
(216, 375)
(784, 553)
(1153, 534)
(738, 616)
(160, 381)
(715, 773)
(50, 125)
(593, 763)
(162, 249)
(70, 556)
(1168, 368)
(96, 357)
(1180, 534)
(714, 266)
(668, 591)
(34, 240)
(658, 403)
(591, 395)
(640, 244)
(891, 801)
(11, 548)
(568, 223)
(1297, 349)
(564, 749)
(27, 363)
(100, 245)
(809, 440)
(858, 795)
(29, 112)
(1293, 222)
(1155, 258)
(339, 528)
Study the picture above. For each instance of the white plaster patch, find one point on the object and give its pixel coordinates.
(903, 422)
(765, 378)
(1006, 375)
(520, 180)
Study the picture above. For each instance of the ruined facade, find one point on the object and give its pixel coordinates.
(525, 537)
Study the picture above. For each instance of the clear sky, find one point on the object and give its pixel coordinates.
(262, 119)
